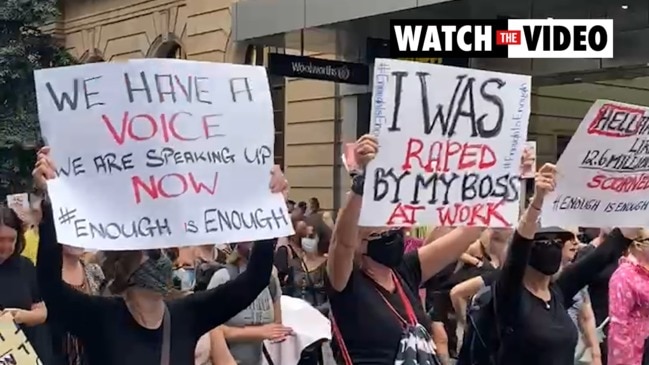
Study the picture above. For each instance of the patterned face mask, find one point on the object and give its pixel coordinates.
(153, 274)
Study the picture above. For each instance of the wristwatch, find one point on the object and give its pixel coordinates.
(358, 184)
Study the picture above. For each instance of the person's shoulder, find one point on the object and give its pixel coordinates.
(350, 289)
(24, 262)
(220, 276)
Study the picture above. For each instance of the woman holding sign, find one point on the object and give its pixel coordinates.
(20, 297)
(372, 285)
(138, 327)
(527, 321)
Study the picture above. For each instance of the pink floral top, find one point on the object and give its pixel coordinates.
(629, 313)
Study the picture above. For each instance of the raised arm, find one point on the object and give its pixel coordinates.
(576, 276)
(509, 285)
(74, 310)
(71, 308)
(446, 249)
(211, 308)
(345, 238)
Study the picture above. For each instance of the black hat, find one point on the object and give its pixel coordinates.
(553, 232)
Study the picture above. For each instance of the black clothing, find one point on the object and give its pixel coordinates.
(370, 329)
(598, 293)
(598, 288)
(489, 277)
(20, 291)
(283, 257)
(435, 283)
(108, 331)
(537, 332)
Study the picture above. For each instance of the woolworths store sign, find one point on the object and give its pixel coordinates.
(318, 68)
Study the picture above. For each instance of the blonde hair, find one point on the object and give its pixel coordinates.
(328, 219)
(642, 243)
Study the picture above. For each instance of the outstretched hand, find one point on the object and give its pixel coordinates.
(44, 169)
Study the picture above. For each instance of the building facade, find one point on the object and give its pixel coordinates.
(314, 119)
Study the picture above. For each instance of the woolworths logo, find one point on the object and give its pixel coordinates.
(307, 68)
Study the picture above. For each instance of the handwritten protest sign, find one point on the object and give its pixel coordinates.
(528, 171)
(160, 153)
(603, 174)
(15, 349)
(18, 201)
(450, 140)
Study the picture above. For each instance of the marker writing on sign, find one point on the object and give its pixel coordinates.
(435, 189)
(72, 100)
(73, 166)
(144, 127)
(632, 206)
(216, 220)
(458, 107)
(168, 155)
(445, 156)
(171, 185)
(619, 121)
(437, 172)
(567, 202)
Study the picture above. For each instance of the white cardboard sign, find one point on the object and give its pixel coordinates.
(603, 174)
(18, 201)
(450, 140)
(160, 153)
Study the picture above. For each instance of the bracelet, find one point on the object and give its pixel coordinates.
(358, 184)
(535, 207)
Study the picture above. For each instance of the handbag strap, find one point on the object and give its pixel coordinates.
(407, 305)
(412, 318)
(347, 360)
(266, 354)
(166, 338)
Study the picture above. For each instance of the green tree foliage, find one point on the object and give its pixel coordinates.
(24, 47)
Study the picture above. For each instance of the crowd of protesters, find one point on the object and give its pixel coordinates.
(527, 295)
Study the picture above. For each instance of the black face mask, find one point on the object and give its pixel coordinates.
(546, 257)
(387, 249)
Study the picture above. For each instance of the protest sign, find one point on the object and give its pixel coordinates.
(18, 201)
(450, 140)
(528, 171)
(15, 349)
(160, 153)
(603, 174)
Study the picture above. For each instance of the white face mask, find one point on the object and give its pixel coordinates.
(309, 244)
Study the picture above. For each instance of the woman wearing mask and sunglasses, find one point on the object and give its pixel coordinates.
(532, 324)
(373, 287)
(138, 327)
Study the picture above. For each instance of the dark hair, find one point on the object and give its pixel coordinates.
(291, 202)
(302, 205)
(118, 268)
(315, 202)
(324, 237)
(172, 253)
(10, 219)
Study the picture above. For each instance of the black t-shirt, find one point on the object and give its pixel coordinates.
(20, 290)
(108, 331)
(543, 333)
(370, 329)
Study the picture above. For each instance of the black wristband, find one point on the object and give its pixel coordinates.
(358, 184)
